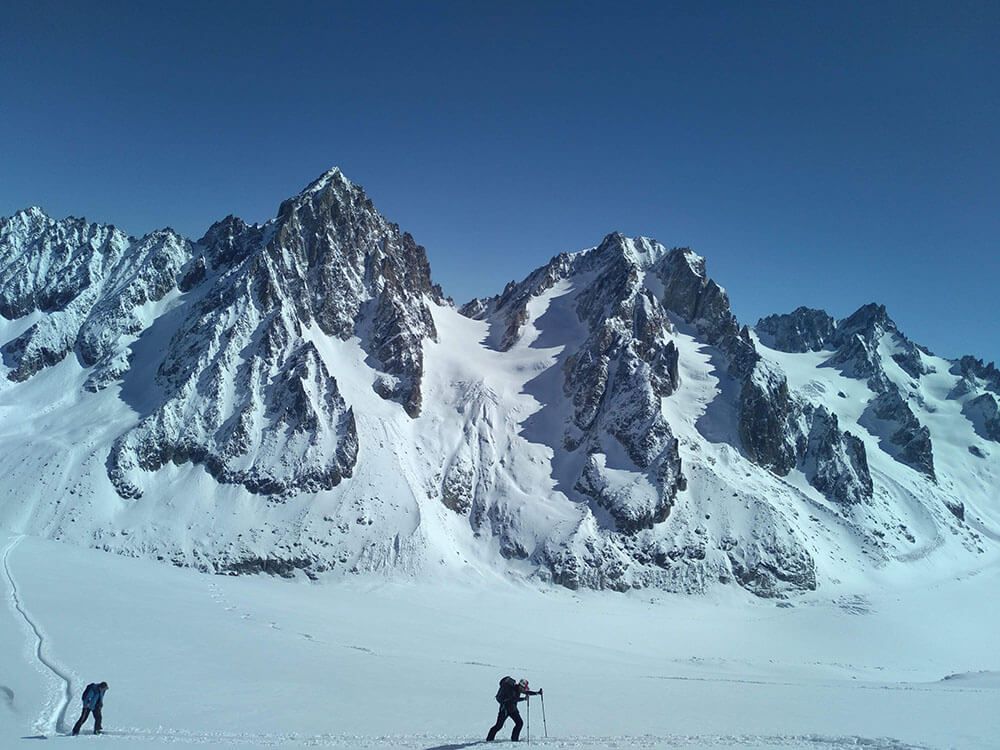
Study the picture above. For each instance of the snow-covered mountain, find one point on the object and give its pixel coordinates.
(299, 395)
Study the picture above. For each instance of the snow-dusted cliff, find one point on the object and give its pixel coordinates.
(298, 395)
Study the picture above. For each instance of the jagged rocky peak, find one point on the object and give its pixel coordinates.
(511, 303)
(619, 260)
(245, 391)
(857, 340)
(48, 263)
(246, 297)
(338, 254)
(629, 356)
(777, 431)
(640, 252)
(870, 321)
(616, 379)
(626, 292)
(688, 292)
(974, 375)
(229, 242)
(802, 330)
(860, 343)
(90, 280)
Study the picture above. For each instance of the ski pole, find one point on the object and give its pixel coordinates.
(545, 724)
(529, 720)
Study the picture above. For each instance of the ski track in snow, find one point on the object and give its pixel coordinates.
(52, 718)
(437, 742)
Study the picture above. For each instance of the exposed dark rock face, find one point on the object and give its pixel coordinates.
(275, 566)
(476, 308)
(835, 462)
(770, 566)
(867, 321)
(956, 508)
(332, 252)
(975, 375)
(689, 293)
(770, 419)
(857, 339)
(984, 413)
(616, 380)
(802, 330)
(857, 357)
(891, 418)
(767, 415)
(589, 559)
(48, 264)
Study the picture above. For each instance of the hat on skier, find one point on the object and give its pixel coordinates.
(522, 683)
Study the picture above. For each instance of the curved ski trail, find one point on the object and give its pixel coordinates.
(52, 718)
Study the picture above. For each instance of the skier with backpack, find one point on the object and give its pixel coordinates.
(93, 700)
(511, 692)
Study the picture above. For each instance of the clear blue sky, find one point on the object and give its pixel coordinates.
(827, 154)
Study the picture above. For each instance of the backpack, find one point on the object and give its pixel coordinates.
(91, 695)
(507, 691)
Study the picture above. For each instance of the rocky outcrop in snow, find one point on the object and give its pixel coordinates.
(889, 417)
(802, 330)
(857, 343)
(854, 340)
(974, 375)
(984, 413)
(91, 282)
(776, 430)
(857, 340)
(835, 462)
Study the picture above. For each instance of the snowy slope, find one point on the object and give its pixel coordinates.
(298, 396)
(256, 662)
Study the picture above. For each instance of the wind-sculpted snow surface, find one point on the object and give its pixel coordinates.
(298, 396)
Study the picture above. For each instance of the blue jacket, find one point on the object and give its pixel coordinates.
(93, 696)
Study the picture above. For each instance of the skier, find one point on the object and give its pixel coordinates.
(93, 700)
(508, 696)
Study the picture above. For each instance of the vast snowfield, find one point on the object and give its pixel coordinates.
(370, 662)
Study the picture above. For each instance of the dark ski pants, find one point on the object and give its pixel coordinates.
(83, 718)
(506, 709)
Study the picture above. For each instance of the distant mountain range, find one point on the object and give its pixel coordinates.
(300, 396)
